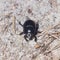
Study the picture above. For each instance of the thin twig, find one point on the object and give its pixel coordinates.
(14, 24)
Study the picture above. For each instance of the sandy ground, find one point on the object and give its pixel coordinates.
(13, 46)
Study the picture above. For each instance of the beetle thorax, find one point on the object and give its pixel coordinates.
(29, 31)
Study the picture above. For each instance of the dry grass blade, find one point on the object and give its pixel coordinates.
(6, 28)
(14, 24)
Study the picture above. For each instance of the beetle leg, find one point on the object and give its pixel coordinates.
(21, 33)
(25, 38)
(37, 26)
(20, 24)
(39, 32)
(35, 39)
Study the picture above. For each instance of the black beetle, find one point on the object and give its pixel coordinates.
(30, 29)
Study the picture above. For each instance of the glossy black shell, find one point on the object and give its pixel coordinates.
(29, 25)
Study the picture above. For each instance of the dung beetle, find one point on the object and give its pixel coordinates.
(30, 30)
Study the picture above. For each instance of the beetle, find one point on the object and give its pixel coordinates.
(30, 29)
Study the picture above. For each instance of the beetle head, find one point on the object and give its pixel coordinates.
(29, 34)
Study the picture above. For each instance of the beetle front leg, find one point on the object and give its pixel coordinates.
(25, 38)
